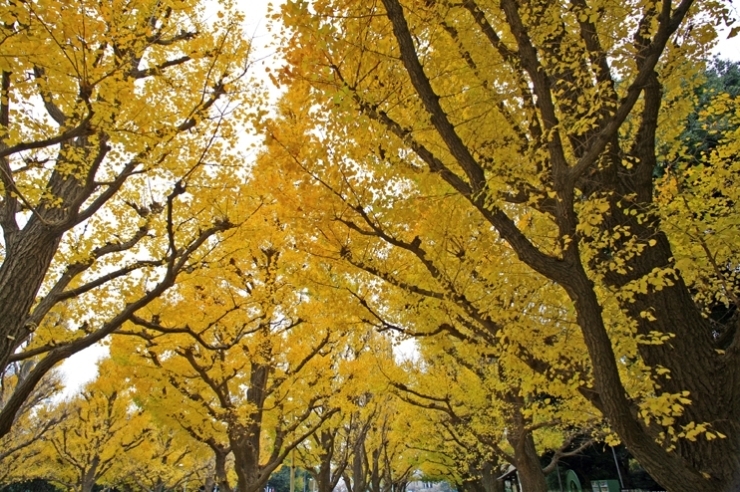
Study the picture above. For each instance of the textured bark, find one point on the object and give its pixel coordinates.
(251, 474)
(88, 477)
(253, 467)
(526, 459)
(220, 477)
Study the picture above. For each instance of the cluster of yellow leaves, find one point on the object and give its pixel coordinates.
(99, 427)
(697, 202)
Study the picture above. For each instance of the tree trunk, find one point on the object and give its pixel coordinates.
(251, 477)
(527, 461)
(88, 477)
(245, 439)
(528, 464)
(220, 477)
(359, 468)
(664, 467)
(330, 468)
(689, 354)
(375, 472)
(22, 272)
(484, 482)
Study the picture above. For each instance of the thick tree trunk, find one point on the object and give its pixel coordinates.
(488, 479)
(666, 468)
(689, 353)
(323, 479)
(250, 477)
(484, 480)
(220, 477)
(245, 439)
(375, 472)
(30, 250)
(88, 476)
(526, 459)
(22, 272)
(210, 484)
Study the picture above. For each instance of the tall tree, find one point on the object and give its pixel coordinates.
(444, 287)
(112, 116)
(541, 120)
(239, 355)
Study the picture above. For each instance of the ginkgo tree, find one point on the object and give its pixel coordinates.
(382, 460)
(365, 444)
(116, 120)
(497, 413)
(542, 120)
(238, 354)
(353, 376)
(36, 417)
(168, 459)
(102, 425)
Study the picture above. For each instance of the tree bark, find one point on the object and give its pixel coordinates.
(527, 461)
(220, 477)
(88, 476)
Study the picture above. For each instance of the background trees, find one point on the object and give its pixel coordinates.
(102, 425)
(33, 421)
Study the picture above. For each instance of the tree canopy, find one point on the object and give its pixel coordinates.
(479, 234)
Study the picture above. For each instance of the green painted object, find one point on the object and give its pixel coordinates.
(572, 484)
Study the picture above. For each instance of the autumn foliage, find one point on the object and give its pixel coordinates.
(479, 234)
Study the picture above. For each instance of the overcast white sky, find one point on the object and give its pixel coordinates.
(81, 368)
(256, 13)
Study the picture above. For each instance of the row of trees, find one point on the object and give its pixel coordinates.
(519, 176)
(146, 431)
(539, 198)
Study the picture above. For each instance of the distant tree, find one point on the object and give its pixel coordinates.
(280, 480)
(34, 485)
(103, 425)
(237, 356)
(36, 417)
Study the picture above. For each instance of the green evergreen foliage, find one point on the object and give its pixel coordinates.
(280, 480)
(35, 485)
(703, 131)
